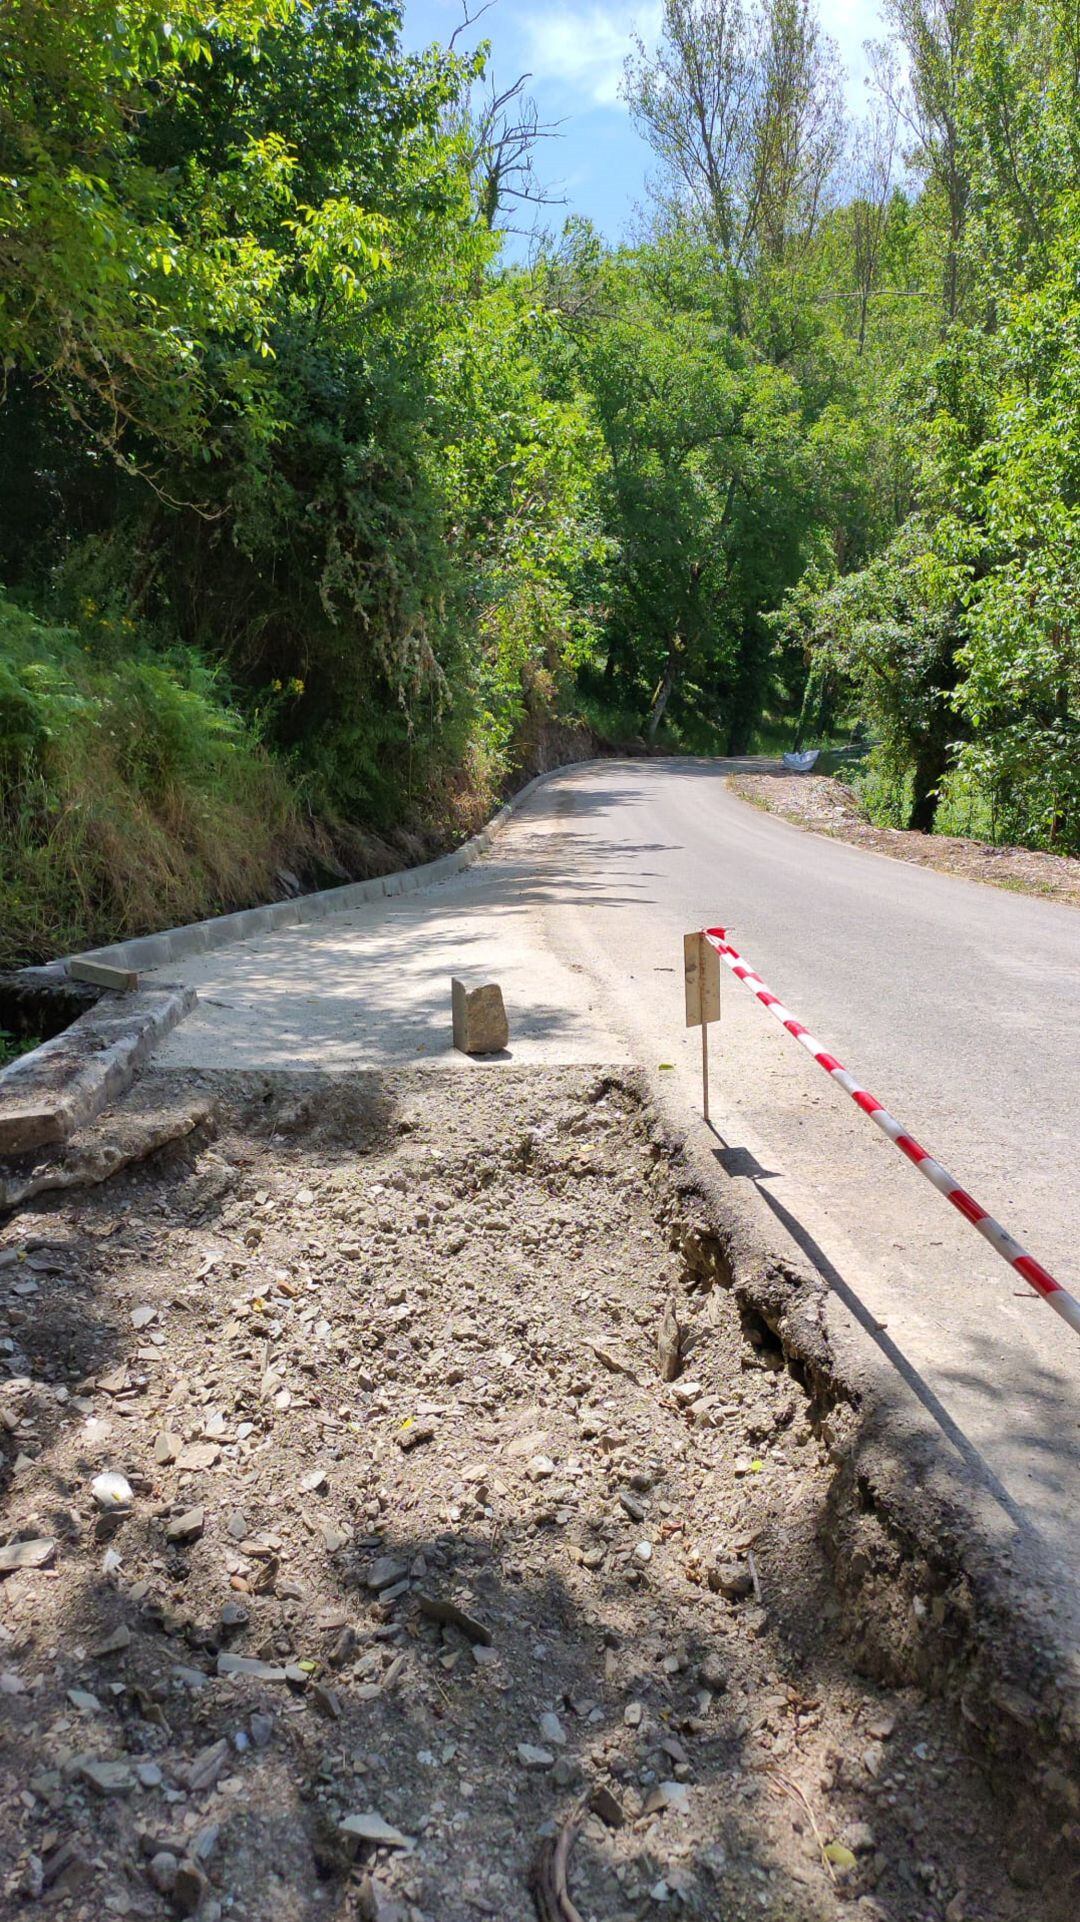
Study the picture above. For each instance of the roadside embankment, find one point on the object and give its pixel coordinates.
(138, 794)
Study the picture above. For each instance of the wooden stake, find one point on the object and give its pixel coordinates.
(701, 974)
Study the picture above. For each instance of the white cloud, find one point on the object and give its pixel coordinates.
(851, 24)
(585, 46)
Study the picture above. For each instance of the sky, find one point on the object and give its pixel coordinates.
(574, 50)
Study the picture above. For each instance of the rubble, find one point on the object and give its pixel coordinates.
(309, 1670)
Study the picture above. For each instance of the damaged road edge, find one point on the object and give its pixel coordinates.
(46, 1094)
(254, 1330)
(925, 1596)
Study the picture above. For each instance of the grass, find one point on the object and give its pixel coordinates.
(620, 727)
(132, 794)
(964, 810)
(14, 1045)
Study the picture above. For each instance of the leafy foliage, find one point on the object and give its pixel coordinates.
(131, 791)
(960, 639)
(327, 513)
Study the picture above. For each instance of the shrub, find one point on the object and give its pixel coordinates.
(132, 793)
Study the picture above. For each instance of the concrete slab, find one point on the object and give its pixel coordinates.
(101, 975)
(54, 1089)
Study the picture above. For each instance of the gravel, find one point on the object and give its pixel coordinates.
(339, 1678)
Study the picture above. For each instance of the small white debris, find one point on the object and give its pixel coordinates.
(108, 1778)
(229, 1664)
(687, 1391)
(112, 1491)
(552, 1730)
(82, 1699)
(39, 1553)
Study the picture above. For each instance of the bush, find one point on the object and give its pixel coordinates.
(133, 795)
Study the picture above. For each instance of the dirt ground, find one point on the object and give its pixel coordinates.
(420, 1559)
(825, 805)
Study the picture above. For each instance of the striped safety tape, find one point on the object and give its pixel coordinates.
(1059, 1298)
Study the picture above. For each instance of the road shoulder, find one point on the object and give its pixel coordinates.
(389, 1553)
(821, 805)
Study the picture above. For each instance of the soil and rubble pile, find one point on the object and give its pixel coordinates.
(395, 1528)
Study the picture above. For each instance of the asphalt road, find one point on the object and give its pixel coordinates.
(955, 1003)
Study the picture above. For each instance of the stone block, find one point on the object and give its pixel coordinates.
(480, 1024)
(46, 1094)
(33, 1126)
(101, 975)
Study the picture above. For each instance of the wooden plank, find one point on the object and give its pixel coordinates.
(701, 975)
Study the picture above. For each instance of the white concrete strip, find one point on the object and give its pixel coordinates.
(370, 987)
(148, 951)
(46, 1094)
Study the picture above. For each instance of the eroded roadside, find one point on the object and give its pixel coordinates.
(418, 1536)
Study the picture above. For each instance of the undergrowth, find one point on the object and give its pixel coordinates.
(132, 793)
(14, 1045)
(965, 809)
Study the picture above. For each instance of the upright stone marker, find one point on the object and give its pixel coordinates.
(480, 1024)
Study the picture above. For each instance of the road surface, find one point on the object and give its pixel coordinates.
(956, 1003)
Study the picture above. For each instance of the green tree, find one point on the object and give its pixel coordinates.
(709, 497)
(284, 231)
(742, 106)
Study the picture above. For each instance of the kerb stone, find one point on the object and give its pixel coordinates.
(480, 1024)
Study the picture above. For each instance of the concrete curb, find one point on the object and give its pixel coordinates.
(199, 937)
(48, 1093)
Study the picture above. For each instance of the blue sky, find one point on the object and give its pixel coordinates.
(574, 50)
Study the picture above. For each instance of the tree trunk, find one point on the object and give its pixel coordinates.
(664, 690)
(931, 764)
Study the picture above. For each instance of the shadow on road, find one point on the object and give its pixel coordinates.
(739, 1163)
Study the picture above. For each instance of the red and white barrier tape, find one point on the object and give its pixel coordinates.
(1000, 1240)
